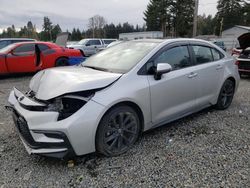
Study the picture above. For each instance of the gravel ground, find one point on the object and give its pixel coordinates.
(208, 149)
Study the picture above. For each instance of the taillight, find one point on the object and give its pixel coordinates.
(237, 63)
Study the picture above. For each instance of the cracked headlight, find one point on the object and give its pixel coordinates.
(67, 105)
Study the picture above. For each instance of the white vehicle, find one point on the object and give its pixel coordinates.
(91, 46)
(104, 104)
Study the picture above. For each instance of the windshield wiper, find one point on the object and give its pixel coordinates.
(98, 68)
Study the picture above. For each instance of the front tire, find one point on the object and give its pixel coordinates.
(226, 95)
(118, 131)
(62, 61)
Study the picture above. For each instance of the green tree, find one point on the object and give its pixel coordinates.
(158, 15)
(56, 29)
(206, 25)
(172, 17)
(46, 35)
(229, 14)
(246, 13)
(31, 30)
(23, 32)
(183, 11)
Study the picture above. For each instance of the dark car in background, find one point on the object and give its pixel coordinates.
(243, 60)
(7, 41)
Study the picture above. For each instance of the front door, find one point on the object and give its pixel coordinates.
(174, 94)
(22, 59)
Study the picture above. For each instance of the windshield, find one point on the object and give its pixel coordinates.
(83, 41)
(7, 48)
(121, 57)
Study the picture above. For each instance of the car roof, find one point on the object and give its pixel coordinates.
(17, 39)
(172, 40)
(35, 42)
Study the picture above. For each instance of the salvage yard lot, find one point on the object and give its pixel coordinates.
(208, 149)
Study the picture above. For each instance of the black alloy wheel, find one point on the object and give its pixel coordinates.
(118, 131)
(226, 95)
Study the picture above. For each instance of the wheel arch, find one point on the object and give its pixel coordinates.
(232, 79)
(131, 104)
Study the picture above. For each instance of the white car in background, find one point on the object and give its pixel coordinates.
(91, 46)
(104, 104)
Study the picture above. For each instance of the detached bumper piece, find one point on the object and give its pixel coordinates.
(61, 149)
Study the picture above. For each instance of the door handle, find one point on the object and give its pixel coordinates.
(192, 75)
(219, 67)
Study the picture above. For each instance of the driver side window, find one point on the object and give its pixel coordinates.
(178, 57)
(25, 49)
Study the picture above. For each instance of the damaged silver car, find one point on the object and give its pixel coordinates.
(104, 104)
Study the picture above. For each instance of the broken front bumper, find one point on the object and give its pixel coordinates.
(47, 143)
(42, 133)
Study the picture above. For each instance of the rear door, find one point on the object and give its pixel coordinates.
(175, 93)
(209, 65)
(22, 59)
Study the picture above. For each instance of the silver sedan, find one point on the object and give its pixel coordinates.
(105, 103)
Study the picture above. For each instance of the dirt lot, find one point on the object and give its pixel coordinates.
(208, 149)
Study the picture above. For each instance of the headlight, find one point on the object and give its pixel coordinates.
(67, 105)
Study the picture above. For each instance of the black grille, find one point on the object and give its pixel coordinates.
(244, 65)
(23, 129)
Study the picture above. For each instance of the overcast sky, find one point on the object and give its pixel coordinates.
(75, 13)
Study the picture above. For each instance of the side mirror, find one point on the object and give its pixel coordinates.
(12, 53)
(162, 68)
(87, 44)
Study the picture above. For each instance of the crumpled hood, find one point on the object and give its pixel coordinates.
(54, 82)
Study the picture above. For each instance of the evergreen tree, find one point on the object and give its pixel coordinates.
(47, 27)
(206, 25)
(56, 29)
(229, 14)
(172, 17)
(246, 13)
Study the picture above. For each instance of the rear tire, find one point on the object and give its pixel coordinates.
(62, 61)
(118, 131)
(226, 95)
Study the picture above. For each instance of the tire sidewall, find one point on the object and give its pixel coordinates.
(62, 61)
(100, 146)
(219, 104)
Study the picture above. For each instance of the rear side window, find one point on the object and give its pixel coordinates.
(94, 42)
(177, 57)
(43, 47)
(202, 54)
(216, 54)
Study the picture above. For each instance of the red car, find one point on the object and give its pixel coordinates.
(34, 56)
